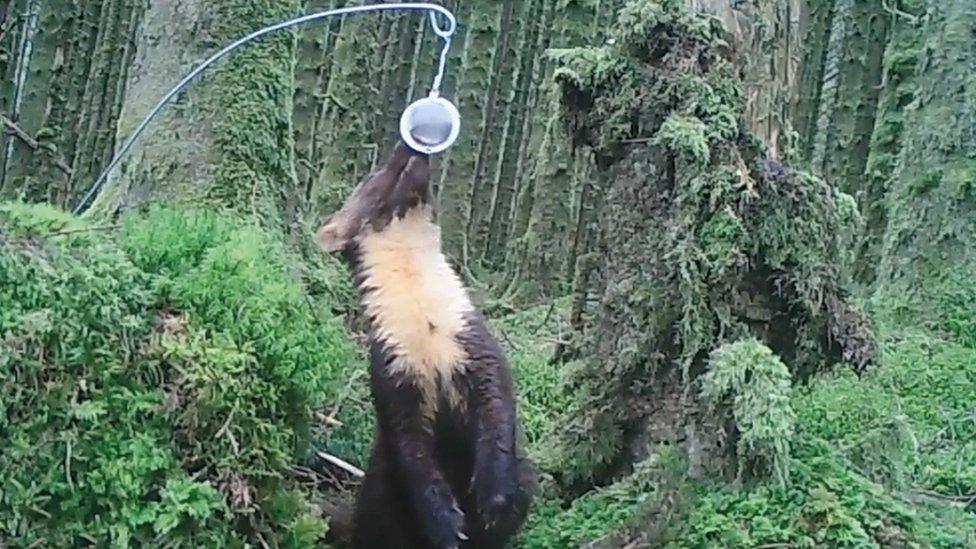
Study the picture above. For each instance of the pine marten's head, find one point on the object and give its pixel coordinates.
(399, 188)
(415, 301)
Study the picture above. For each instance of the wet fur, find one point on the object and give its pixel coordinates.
(415, 302)
(444, 464)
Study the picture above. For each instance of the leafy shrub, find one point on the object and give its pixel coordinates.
(156, 389)
(757, 384)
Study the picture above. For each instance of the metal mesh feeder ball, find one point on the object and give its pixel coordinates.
(430, 125)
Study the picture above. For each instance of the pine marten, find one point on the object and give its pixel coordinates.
(444, 471)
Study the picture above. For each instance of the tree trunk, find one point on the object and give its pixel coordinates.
(474, 77)
(766, 37)
(543, 226)
(520, 207)
(815, 46)
(503, 185)
(852, 118)
(313, 72)
(477, 220)
(929, 251)
(66, 72)
(704, 238)
(898, 93)
(228, 138)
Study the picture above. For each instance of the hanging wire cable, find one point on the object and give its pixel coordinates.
(434, 10)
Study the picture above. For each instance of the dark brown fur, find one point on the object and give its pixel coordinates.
(437, 474)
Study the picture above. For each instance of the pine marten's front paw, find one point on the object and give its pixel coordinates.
(496, 488)
(444, 526)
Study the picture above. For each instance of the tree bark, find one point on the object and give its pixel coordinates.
(897, 95)
(503, 185)
(65, 80)
(474, 80)
(704, 237)
(815, 46)
(479, 205)
(929, 253)
(228, 138)
(853, 115)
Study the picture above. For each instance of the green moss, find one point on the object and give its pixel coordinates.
(866, 450)
(704, 239)
(684, 136)
(252, 153)
(748, 378)
(722, 240)
(930, 235)
(828, 505)
(159, 385)
(606, 513)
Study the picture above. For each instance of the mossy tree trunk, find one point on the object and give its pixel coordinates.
(492, 129)
(704, 237)
(65, 66)
(766, 36)
(929, 251)
(815, 45)
(866, 30)
(478, 44)
(228, 138)
(897, 96)
(516, 127)
(313, 74)
(543, 224)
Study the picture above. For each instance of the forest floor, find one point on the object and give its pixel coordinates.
(887, 459)
(875, 459)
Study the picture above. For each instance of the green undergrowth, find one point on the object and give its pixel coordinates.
(828, 504)
(530, 337)
(159, 382)
(603, 515)
(881, 460)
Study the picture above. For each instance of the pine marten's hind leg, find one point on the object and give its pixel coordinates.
(506, 525)
(381, 519)
(502, 484)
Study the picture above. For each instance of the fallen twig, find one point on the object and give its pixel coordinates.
(83, 230)
(934, 498)
(545, 320)
(342, 464)
(508, 339)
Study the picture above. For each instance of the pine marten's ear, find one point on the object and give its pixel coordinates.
(373, 200)
(336, 233)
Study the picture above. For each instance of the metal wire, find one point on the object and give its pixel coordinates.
(434, 10)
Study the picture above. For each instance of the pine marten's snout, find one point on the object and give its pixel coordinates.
(403, 183)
